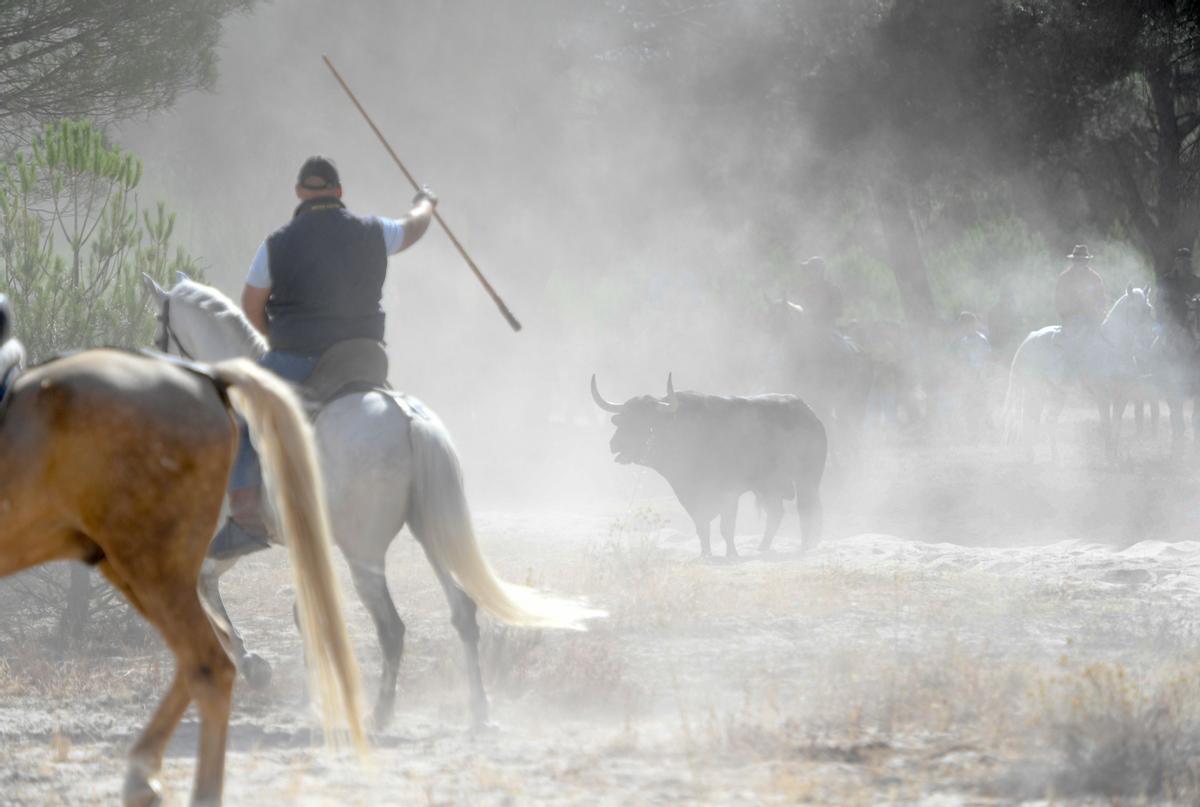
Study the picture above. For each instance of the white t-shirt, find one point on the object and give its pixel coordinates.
(259, 275)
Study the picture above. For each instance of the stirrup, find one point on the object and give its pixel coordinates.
(233, 540)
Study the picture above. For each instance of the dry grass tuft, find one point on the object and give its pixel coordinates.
(1120, 734)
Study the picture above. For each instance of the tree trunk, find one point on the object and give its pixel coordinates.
(906, 258)
(912, 278)
(1169, 173)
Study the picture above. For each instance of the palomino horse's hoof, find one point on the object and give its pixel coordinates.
(257, 671)
(141, 791)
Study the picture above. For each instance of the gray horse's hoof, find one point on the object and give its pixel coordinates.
(257, 671)
(141, 791)
(381, 717)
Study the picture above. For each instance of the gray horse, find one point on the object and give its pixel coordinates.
(1103, 364)
(388, 461)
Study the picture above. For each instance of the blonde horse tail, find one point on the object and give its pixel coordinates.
(292, 477)
(440, 519)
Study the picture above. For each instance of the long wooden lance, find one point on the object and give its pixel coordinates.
(508, 315)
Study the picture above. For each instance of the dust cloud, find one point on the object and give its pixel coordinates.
(975, 626)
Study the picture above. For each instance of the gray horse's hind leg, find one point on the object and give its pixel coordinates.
(371, 585)
(253, 667)
(462, 616)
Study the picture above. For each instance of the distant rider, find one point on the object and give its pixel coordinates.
(818, 295)
(314, 282)
(1081, 302)
(1175, 292)
(821, 300)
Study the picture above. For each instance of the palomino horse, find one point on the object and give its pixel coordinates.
(1047, 363)
(120, 461)
(388, 461)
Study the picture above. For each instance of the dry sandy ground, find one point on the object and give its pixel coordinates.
(877, 669)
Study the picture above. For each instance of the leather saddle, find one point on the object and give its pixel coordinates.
(353, 365)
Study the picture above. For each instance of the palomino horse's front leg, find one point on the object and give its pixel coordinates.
(253, 667)
(203, 673)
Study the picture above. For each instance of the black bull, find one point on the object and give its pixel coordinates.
(712, 449)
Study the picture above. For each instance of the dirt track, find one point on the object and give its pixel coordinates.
(878, 669)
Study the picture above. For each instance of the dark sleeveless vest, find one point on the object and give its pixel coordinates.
(327, 269)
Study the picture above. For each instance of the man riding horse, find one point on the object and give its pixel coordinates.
(822, 302)
(1081, 303)
(1176, 291)
(820, 296)
(314, 283)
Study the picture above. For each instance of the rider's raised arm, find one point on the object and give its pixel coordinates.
(400, 234)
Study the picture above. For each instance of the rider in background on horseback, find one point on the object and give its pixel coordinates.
(1176, 289)
(313, 283)
(821, 300)
(1081, 302)
(820, 297)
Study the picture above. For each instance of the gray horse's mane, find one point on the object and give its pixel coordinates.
(223, 310)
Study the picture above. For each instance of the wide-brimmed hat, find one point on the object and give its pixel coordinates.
(1080, 253)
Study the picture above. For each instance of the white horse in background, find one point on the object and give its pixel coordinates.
(1104, 366)
(387, 461)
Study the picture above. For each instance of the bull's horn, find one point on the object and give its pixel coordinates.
(671, 401)
(599, 399)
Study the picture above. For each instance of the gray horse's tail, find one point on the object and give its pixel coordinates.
(1013, 415)
(441, 521)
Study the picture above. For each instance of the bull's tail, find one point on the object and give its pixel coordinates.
(292, 476)
(441, 521)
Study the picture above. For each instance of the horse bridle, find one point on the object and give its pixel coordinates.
(163, 343)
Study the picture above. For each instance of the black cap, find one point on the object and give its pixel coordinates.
(317, 174)
(1183, 252)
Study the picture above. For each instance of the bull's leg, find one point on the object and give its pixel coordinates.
(371, 585)
(704, 530)
(729, 526)
(253, 667)
(773, 507)
(808, 503)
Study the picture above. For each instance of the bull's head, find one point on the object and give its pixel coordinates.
(637, 420)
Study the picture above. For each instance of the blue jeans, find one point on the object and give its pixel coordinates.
(247, 473)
